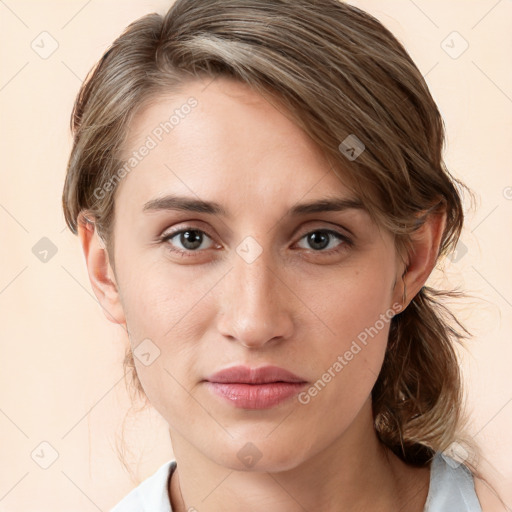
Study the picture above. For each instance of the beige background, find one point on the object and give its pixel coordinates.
(61, 373)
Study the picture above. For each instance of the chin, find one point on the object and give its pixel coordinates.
(261, 455)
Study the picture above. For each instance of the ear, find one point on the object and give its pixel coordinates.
(101, 274)
(422, 257)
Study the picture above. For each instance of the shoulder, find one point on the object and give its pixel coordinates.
(452, 487)
(151, 495)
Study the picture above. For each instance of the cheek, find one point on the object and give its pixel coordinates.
(347, 367)
(355, 321)
(162, 305)
(161, 298)
(353, 302)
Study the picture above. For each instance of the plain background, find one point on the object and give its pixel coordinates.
(61, 361)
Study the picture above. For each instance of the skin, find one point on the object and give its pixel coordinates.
(293, 306)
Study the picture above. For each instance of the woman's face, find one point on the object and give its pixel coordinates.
(257, 282)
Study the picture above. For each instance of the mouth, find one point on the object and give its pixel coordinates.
(261, 375)
(259, 388)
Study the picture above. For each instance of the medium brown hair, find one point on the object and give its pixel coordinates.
(339, 73)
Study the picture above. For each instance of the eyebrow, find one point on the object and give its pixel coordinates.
(181, 203)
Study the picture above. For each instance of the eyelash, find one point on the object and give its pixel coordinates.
(347, 242)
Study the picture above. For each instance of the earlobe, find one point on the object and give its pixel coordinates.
(100, 271)
(425, 245)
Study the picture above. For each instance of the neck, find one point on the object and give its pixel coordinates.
(356, 472)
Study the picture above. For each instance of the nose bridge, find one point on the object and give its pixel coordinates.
(257, 281)
(257, 309)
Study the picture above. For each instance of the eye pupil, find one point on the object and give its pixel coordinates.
(318, 238)
(191, 241)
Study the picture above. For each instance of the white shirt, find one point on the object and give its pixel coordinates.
(451, 489)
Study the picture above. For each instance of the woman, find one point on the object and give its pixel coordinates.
(259, 190)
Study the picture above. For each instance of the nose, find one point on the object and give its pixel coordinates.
(256, 303)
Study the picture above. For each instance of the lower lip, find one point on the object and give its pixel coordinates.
(256, 396)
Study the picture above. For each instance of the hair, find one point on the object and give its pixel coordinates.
(338, 72)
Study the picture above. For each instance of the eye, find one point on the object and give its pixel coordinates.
(321, 239)
(190, 239)
(187, 241)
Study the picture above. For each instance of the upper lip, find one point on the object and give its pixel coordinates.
(261, 375)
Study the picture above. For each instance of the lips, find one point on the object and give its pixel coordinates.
(257, 388)
(246, 375)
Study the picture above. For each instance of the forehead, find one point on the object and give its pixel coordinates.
(218, 136)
